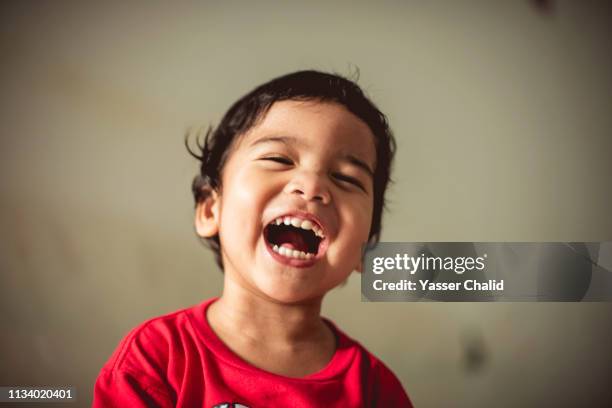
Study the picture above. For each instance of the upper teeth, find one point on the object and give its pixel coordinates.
(300, 223)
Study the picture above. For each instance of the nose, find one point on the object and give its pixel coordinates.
(310, 186)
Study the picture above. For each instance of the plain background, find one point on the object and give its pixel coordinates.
(502, 112)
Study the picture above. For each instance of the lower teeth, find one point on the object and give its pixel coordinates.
(292, 253)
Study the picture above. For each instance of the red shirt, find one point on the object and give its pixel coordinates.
(177, 360)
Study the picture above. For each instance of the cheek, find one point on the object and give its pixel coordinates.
(241, 189)
(359, 218)
(250, 183)
(365, 225)
(244, 197)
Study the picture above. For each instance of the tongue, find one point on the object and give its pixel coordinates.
(293, 240)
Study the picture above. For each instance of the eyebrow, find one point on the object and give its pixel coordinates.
(290, 140)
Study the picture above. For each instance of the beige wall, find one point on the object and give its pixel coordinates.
(502, 116)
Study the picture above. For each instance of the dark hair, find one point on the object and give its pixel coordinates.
(310, 85)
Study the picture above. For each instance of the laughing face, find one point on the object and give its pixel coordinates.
(296, 200)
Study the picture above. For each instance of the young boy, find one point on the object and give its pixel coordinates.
(291, 186)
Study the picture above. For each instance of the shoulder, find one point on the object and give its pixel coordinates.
(383, 385)
(389, 389)
(147, 350)
(151, 336)
(146, 367)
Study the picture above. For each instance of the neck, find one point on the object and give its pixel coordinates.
(265, 320)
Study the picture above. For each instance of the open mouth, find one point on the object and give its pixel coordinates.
(294, 237)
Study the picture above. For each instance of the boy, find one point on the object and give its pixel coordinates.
(291, 186)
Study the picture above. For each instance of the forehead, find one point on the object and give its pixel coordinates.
(326, 126)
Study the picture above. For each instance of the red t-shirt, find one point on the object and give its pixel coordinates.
(177, 360)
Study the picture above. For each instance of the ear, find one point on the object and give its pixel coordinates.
(207, 216)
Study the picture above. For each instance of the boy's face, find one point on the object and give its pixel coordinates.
(306, 164)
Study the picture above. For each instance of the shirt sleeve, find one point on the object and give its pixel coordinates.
(122, 389)
(135, 375)
(390, 391)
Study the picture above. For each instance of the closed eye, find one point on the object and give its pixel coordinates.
(278, 159)
(348, 179)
